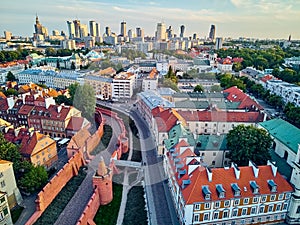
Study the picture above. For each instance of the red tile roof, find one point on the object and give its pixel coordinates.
(165, 120)
(237, 95)
(3, 105)
(75, 123)
(222, 116)
(193, 192)
(25, 109)
(29, 142)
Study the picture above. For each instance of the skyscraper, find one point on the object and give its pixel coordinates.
(97, 29)
(77, 28)
(139, 32)
(160, 32)
(93, 28)
(182, 28)
(71, 29)
(212, 32)
(170, 32)
(83, 30)
(123, 29)
(39, 29)
(107, 31)
(219, 43)
(7, 35)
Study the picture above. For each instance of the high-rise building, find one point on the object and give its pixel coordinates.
(71, 29)
(83, 30)
(212, 32)
(131, 34)
(107, 31)
(39, 29)
(219, 43)
(77, 28)
(97, 29)
(170, 32)
(139, 32)
(55, 33)
(7, 35)
(123, 29)
(93, 28)
(182, 28)
(195, 36)
(160, 32)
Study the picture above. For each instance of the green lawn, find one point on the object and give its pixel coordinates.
(135, 212)
(108, 214)
(15, 213)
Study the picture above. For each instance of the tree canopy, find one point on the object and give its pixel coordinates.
(198, 88)
(249, 143)
(10, 76)
(85, 100)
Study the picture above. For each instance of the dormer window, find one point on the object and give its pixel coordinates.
(220, 190)
(254, 187)
(272, 185)
(236, 189)
(206, 192)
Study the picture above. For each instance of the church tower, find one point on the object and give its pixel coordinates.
(102, 180)
(293, 216)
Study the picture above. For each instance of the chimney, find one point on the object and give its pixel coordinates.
(274, 168)
(209, 174)
(237, 171)
(59, 108)
(255, 168)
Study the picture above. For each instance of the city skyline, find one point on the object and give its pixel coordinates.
(233, 18)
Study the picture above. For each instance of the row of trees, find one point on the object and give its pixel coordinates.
(30, 178)
(287, 75)
(8, 56)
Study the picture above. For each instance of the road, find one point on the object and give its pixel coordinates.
(160, 205)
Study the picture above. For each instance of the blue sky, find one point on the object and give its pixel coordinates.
(233, 18)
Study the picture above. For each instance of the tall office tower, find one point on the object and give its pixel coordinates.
(97, 29)
(170, 32)
(71, 29)
(130, 34)
(7, 35)
(38, 26)
(77, 28)
(139, 32)
(93, 28)
(182, 28)
(107, 31)
(195, 36)
(212, 32)
(55, 33)
(161, 32)
(83, 30)
(219, 43)
(290, 37)
(123, 29)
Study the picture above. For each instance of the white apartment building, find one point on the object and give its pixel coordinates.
(122, 86)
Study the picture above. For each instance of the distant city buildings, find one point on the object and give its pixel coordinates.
(41, 32)
(161, 32)
(212, 33)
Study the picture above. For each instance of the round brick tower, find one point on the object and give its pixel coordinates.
(102, 180)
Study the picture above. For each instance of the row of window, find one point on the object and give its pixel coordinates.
(245, 201)
(216, 215)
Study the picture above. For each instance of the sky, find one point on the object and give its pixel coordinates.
(264, 19)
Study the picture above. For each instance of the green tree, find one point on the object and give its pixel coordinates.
(10, 76)
(11, 91)
(169, 83)
(72, 90)
(215, 88)
(34, 179)
(249, 143)
(85, 101)
(198, 88)
(9, 152)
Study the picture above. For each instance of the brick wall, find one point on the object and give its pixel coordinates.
(90, 210)
(50, 191)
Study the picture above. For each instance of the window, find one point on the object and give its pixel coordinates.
(214, 153)
(196, 217)
(246, 201)
(278, 207)
(2, 200)
(216, 215)
(234, 212)
(227, 203)
(217, 205)
(255, 199)
(1, 174)
(298, 210)
(270, 208)
(206, 205)
(287, 195)
(197, 206)
(253, 210)
(244, 211)
(214, 163)
(280, 196)
(225, 214)
(263, 198)
(236, 201)
(285, 206)
(273, 197)
(2, 183)
(206, 216)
